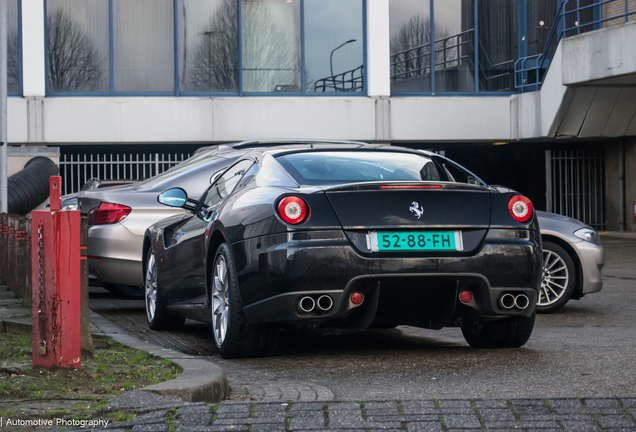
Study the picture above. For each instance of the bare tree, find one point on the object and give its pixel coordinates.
(74, 64)
(215, 57)
(269, 55)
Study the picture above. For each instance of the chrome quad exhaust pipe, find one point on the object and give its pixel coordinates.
(306, 304)
(522, 301)
(507, 301)
(325, 303)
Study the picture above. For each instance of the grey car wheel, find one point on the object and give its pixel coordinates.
(220, 305)
(557, 280)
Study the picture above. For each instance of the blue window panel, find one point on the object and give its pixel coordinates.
(14, 48)
(195, 48)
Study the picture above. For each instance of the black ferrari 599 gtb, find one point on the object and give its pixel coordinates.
(344, 237)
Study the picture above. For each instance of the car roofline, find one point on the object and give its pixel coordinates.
(286, 142)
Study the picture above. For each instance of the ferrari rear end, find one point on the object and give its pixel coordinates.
(387, 238)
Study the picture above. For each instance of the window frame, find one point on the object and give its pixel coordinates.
(477, 91)
(176, 64)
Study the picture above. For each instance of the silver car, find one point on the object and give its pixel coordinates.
(119, 216)
(573, 259)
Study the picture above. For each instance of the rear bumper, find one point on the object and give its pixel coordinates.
(275, 272)
(115, 255)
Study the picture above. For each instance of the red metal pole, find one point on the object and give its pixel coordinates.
(56, 284)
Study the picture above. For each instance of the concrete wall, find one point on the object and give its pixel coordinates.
(612, 196)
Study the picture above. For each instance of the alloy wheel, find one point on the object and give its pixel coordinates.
(554, 280)
(220, 305)
(151, 287)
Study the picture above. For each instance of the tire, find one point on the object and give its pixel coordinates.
(132, 292)
(157, 316)
(505, 333)
(556, 286)
(233, 336)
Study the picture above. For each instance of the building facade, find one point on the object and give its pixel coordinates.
(538, 95)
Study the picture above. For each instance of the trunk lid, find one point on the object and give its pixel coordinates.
(369, 213)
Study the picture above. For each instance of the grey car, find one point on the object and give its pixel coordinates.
(573, 260)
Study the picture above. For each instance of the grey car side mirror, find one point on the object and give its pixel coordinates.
(175, 197)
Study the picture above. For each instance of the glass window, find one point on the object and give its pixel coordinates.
(320, 168)
(226, 183)
(454, 45)
(333, 45)
(77, 46)
(271, 45)
(143, 45)
(13, 48)
(541, 16)
(208, 45)
(410, 26)
(498, 41)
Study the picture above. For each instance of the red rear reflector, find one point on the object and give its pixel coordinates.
(357, 298)
(412, 187)
(520, 208)
(107, 214)
(293, 210)
(465, 296)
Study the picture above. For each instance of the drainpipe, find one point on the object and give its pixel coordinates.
(621, 181)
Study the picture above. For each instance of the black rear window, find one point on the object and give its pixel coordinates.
(335, 167)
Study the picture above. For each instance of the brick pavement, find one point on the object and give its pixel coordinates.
(545, 415)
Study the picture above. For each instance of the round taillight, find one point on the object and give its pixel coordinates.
(357, 298)
(293, 210)
(520, 208)
(465, 296)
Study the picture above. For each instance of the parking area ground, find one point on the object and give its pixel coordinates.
(586, 350)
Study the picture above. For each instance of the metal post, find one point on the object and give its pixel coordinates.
(621, 182)
(4, 10)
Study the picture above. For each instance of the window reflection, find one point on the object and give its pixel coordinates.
(410, 25)
(270, 32)
(208, 45)
(143, 45)
(454, 46)
(77, 50)
(498, 44)
(333, 45)
(13, 48)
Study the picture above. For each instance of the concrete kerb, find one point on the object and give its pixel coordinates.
(200, 381)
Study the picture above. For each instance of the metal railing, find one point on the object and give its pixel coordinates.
(349, 81)
(76, 169)
(530, 71)
(450, 53)
(575, 185)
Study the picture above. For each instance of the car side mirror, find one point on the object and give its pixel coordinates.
(175, 197)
